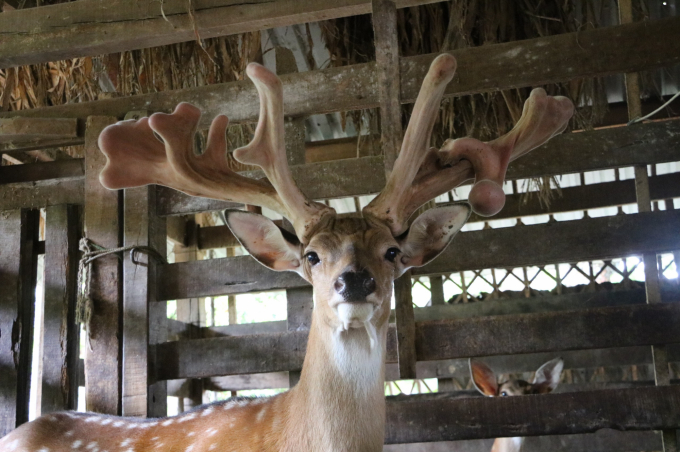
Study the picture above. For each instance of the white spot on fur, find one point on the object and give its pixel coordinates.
(168, 422)
(68, 434)
(261, 414)
(44, 449)
(92, 419)
(126, 442)
(187, 417)
(207, 411)
(13, 445)
(76, 444)
(212, 447)
(190, 448)
(190, 434)
(106, 421)
(211, 431)
(91, 446)
(118, 423)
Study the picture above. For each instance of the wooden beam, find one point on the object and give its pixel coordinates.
(18, 130)
(19, 232)
(341, 178)
(123, 25)
(405, 327)
(388, 78)
(411, 420)
(558, 242)
(589, 53)
(102, 209)
(622, 326)
(61, 333)
(33, 172)
(144, 229)
(604, 440)
(541, 244)
(41, 194)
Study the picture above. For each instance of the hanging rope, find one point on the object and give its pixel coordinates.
(91, 252)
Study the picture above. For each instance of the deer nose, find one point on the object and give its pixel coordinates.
(355, 286)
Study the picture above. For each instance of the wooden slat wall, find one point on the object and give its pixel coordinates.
(569, 241)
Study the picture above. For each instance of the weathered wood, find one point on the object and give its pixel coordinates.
(406, 327)
(335, 179)
(18, 230)
(142, 228)
(620, 326)
(411, 420)
(601, 441)
(388, 78)
(28, 129)
(569, 241)
(61, 333)
(41, 194)
(623, 326)
(589, 53)
(67, 31)
(32, 172)
(299, 309)
(566, 241)
(102, 207)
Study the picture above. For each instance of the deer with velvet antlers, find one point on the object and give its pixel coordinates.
(338, 404)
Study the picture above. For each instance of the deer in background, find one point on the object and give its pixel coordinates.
(339, 402)
(545, 380)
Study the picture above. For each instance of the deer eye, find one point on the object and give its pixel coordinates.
(504, 394)
(312, 258)
(392, 254)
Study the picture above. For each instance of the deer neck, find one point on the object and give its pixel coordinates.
(340, 398)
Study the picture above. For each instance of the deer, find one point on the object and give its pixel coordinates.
(338, 404)
(546, 379)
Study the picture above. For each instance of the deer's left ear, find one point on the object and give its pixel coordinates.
(548, 376)
(270, 245)
(429, 234)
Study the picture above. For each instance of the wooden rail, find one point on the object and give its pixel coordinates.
(620, 326)
(413, 419)
(591, 53)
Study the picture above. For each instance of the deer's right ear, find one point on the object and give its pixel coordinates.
(483, 378)
(270, 245)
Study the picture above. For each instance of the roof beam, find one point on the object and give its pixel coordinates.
(69, 30)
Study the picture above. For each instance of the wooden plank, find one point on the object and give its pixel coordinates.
(61, 333)
(569, 241)
(589, 53)
(334, 179)
(32, 172)
(41, 194)
(231, 355)
(406, 327)
(605, 440)
(141, 228)
(386, 35)
(413, 420)
(27, 129)
(619, 326)
(102, 206)
(18, 230)
(122, 25)
(623, 326)
(299, 305)
(562, 241)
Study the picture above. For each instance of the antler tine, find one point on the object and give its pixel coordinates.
(267, 150)
(135, 157)
(390, 206)
(459, 160)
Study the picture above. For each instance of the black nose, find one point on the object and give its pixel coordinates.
(355, 286)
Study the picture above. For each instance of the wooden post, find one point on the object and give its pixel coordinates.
(294, 126)
(389, 78)
(653, 289)
(142, 228)
(300, 307)
(102, 222)
(19, 232)
(61, 334)
(406, 327)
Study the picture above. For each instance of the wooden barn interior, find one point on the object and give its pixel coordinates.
(140, 302)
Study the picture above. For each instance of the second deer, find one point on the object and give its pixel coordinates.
(545, 380)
